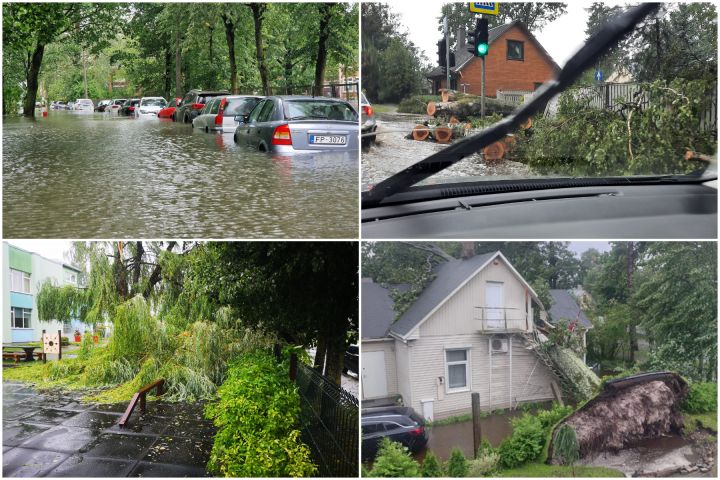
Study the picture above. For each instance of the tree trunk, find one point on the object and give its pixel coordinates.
(156, 273)
(168, 72)
(32, 80)
(319, 363)
(178, 74)
(335, 359)
(230, 37)
(630, 275)
(321, 60)
(137, 265)
(258, 11)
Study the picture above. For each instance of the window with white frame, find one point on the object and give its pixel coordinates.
(19, 281)
(20, 317)
(457, 365)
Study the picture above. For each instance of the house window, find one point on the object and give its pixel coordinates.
(19, 281)
(458, 369)
(515, 50)
(20, 317)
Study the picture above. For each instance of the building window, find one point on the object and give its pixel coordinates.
(515, 50)
(458, 369)
(19, 281)
(20, 317)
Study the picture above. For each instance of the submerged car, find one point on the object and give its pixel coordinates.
(399, 424)
(297, 124)
(100, 107)
(224, 114)
(129, 107)
(367, 120)
(84, 105)
(149, 107)
(168, 111)
(115, 106)
(193, 102)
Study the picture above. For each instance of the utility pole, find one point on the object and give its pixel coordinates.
(447, 53)
(482, 87)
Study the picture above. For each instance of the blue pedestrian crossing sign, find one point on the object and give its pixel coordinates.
(598, 76)
(488, 8)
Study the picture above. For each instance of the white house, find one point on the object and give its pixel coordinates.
(468, 331)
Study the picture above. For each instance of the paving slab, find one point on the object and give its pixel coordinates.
(93, 420)
(83, 466)
(15, 434)
(141, 424)
(111, 445)
(50, 416)
(23, 462)
(61, 439)
(150, 469)
(180, 451)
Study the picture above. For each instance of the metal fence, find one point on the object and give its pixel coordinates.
(346, 91)
(329, 424)
(515, 97)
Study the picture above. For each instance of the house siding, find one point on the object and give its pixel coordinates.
(459, 314)
(504, 74)
(388, 348)
(402, 357)
(491, 375)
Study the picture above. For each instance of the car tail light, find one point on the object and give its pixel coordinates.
(131, 109)
(197, 106)
(281, 135)
(367, 110)
(219, 116)
(417, 431)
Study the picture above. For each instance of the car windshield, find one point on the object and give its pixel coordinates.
(646, 107)
(153, 102)
(313, 109)
(240, 106)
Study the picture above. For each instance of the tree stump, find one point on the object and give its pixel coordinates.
(420, 132)
(431, 108)
(442, 134)
(453, 120)
(494, 151)
(445, 95)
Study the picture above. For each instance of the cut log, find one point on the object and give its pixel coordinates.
(431, 108)
(494, 151)
(465, 108)
(442, 134)
(445, 95)
(420, 132)
(453, 120)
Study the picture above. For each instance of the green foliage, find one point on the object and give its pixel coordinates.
(486, 462)
(457, 465)
(62, 303)
(257, 418)
(565, 447)
(393, 460)
(554, 471)
(465, 417)
(582, 140)
(86, 346)
(548, 418)
(563, 336)
(431, 466)
(702, 398)
(525, 443)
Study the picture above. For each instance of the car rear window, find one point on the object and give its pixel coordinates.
(208, 96)
(240, 106)
(319, 109)
(153, 102)
(135, 102)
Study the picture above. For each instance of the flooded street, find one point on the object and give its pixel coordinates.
(392, 152)
(92, 175)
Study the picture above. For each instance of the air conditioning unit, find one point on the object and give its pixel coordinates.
(498, 345)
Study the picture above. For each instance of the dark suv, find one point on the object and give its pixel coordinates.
(399, 424)
(193, 102)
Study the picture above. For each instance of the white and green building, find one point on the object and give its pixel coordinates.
(24, 272)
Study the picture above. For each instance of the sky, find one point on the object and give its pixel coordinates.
(560, 38)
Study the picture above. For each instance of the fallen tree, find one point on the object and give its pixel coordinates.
(627, 410)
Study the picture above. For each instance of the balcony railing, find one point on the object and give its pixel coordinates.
(507, 319)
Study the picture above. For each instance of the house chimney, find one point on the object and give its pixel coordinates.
(460, 46)
(468, 250)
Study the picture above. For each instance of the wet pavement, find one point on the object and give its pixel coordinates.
(392, 152)
(53, 434)
(89, 175)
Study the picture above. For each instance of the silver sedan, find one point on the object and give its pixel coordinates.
(299, 124)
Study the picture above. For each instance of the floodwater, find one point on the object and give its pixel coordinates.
(91, 175)
(392, 152)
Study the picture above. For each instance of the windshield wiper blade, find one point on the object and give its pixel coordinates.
(605, 39)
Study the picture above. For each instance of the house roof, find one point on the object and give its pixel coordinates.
(564, 305)
(377, 310)
(448, 277)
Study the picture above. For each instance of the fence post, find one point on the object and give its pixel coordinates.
(477, 428)
(60, 346)
(293, 366)
(607, 95)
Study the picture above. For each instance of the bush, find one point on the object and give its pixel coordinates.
(486, 462)
(257, 417)
(457, 466)
(702, 398)
(431, 467)
(64, 341)
(525, 443)
(393, 460)
(415, 104)
(565, 448)
(548, 418)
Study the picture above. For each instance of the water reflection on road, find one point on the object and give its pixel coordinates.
(75, 175)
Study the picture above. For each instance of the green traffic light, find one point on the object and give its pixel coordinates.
(482, 49)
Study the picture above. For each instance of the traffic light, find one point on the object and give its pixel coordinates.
(482, 45)
(442, 52)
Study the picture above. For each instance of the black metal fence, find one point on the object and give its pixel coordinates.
(349, 91)
(329, 424)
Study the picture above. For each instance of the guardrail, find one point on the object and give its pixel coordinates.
(140, 396)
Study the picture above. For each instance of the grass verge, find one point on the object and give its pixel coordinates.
(543, 470)
(693, 421)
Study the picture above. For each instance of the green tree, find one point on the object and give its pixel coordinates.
(565, 448)
(457, 465)
(430, 466)
(393, 460)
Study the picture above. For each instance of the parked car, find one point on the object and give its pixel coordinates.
(129, 106)
(193, 102)
(149, 107)
(399, 424)
(169, 111)
(58, 105)
(102, 104)
(351, 359)
(367, 120)
(115, 105)
(297, 124)
(84, 105)
(224, 114)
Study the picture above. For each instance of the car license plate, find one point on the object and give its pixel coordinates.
(328, 139)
